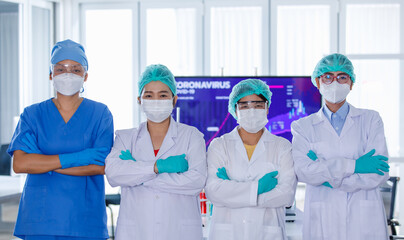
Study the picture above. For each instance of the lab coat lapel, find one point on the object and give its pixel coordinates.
(168, 141)
(260, 148)
(349, 122)
(322, 120)
(238, 144)
(145, 141)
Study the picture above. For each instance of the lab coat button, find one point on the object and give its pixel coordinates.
(157, 197)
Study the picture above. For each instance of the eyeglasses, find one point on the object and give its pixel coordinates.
(328, 78)
(68, 68)
(252, 104)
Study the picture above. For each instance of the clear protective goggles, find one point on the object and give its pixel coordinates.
(252, 104)
(77, 69)
(328, 78)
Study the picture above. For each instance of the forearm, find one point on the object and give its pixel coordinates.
(34, 163)
(89, 170)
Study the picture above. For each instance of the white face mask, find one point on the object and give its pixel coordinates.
(157, 110)
(335, 92)
(252, 120)
(68, 84)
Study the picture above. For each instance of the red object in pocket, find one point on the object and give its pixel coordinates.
(202, 197)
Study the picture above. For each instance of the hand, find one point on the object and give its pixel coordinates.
(126, 155)
(371, 164)
(173, 164)
(30, 141)
(221, 173)
(327, 184)
(313, 156)
(267, 182)
(83, 158)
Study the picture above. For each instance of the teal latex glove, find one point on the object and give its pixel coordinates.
(173, 164)
(267, 182)
(126, 155)
(221, 173)
(372, 164)
(83, 158)
(313, 156)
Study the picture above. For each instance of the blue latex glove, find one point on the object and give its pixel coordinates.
(83, 158)
(313, 156)
(371, 164)
(267, 182)
(221, 173)
(173, 164)
(126, 155)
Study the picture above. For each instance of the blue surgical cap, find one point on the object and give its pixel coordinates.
(69, 50)
(158, 72)
(333, 63)
(245, 88)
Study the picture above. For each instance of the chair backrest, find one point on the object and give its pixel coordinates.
(389, 192)
(5, 160)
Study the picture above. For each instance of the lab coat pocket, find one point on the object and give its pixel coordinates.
(191, 230)
(272, 233)
(221, 231)
(317, 220)
(372, 222)
(33, 204)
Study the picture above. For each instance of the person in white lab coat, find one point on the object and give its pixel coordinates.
(340, 153)
(160, 167)
(250, 171)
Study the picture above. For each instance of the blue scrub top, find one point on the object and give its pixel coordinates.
(58, 204)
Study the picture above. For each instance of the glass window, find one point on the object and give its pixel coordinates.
(9, 69)
(236, 40)
(171, 39)
(376, 89)
(42, 87)
(109, 47)
(303, 38)
(372, 28)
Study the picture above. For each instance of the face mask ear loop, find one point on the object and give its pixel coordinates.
(82, 90)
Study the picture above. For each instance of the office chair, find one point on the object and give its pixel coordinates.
(112, 199)
(391, 188)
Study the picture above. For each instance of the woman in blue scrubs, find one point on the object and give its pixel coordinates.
(62, 144)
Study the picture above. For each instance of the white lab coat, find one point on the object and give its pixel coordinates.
(158, 206)
(239, 213)
(353, 208)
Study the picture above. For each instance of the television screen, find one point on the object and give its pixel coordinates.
(202, 103)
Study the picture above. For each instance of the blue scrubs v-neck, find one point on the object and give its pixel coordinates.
(58, 204)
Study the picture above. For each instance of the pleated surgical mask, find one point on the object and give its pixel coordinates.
(157, 110)
(252, 120)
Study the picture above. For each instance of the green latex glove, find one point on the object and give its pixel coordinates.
(267, 182)
(126, 155)
(372, 164)
(221, 173)
(173, 164)
(312, 155)
(83, 158)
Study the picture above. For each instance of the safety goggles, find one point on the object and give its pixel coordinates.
(252, 104)
(328, 78)
(68, 68)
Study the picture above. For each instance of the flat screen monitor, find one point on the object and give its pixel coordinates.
(202, 103)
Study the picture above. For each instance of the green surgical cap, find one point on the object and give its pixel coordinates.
(157, 72)
(333, 63)
(245, 88)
